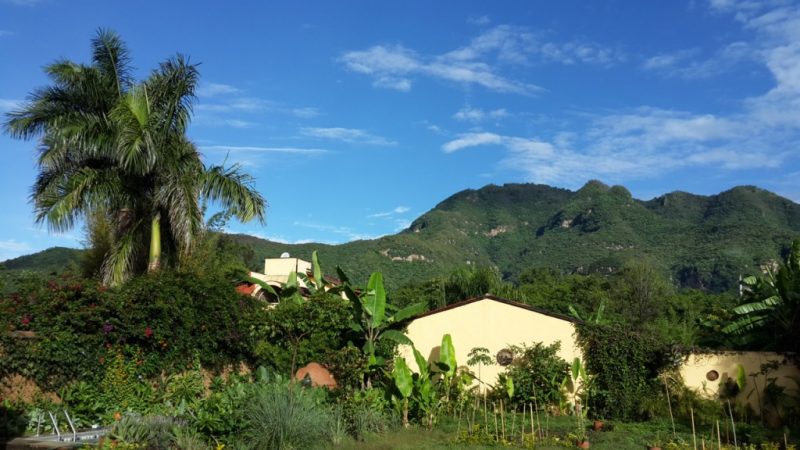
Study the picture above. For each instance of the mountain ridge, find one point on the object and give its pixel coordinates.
(701, 241)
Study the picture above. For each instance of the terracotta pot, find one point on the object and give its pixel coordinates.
(582, 444)
(598, 425)
(653, 448)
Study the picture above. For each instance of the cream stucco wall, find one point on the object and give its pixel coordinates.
(696, 366)
(491, 324)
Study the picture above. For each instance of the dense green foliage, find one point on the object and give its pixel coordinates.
(164, 319)
(770, 313)
(626, 364)
(537, 372)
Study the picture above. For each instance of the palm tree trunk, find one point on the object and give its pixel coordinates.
(154, 262)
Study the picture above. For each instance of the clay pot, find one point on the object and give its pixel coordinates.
(317, 375)
(653, 448)
(583, 444)
(598, 425)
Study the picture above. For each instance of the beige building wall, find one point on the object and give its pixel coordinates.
(278, 269)
(487, 323)
(696, 367)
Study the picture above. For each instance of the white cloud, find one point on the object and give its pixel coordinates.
(11, 249)
(685, 64)
(24, 2)
(468, 113)
(478, 63)
(479, 20)
(9, 104)
(238, 123)
(257, 149)
(635, 144)
(390, 214)
(305, 113)
(350, 135)
(215, 89)
(4, 33)
(240, 104)
(472, 140)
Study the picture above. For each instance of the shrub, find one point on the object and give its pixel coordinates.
(285, 417)
(160, 321)
(537, 370)
(626, 364)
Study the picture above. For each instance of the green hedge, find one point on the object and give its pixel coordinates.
(163, 320)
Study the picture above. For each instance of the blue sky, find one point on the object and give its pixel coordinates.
(357, 117)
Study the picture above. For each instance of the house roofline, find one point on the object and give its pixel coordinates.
(497, 299)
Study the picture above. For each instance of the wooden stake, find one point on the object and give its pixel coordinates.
(733, 425)
(494, 413)
(513, 421)
(522, 427)
(719, 439)
(694, 437)
(669, 406)
(503, 420)
(485, 419)
(533, 426)
(703, 444)
(458, 430)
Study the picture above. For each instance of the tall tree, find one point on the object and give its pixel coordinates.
(112, 146)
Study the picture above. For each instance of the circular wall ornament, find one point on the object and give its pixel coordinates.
(712, 375)
(504, 357)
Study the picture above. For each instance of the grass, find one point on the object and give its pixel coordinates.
(615, 436)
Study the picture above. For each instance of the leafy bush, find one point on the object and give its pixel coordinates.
(160, 321)
(625, 363)
(295, 333)
(365, 412)
(537, 371)
(286, 417)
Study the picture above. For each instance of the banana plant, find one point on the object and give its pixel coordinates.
(421, 387)
(370, 318)
(404, 381)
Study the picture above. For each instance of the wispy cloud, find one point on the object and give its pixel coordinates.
(4, 33)
(350, 135)
(477, 63)
(470, 114)
(305, 113)
(7, 104)
(479, 20)
(226, 105)
(393, 66)
(688, 64)
(348, 233)
(631, 145)
(11, 249)
(23, 2)
(215, 89)
(257, 149)
(388, 214)
(763, 133)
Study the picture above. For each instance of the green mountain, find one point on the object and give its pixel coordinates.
(701, 241)
(54, 259)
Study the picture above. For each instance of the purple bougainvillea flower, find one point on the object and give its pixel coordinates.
(108, 328)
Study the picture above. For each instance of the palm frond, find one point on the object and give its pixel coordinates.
(234, 190)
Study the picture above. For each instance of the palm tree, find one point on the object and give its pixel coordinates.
(770, 315)
(119, 148)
